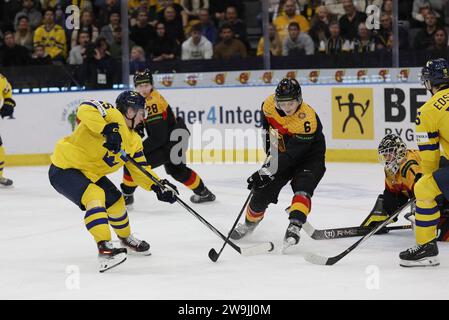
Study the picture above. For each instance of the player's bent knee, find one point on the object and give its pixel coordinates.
(93, 194)
(118, 208)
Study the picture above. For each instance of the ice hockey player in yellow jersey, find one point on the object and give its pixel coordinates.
(402, 169)
(7, 105)
(432, 137)
(81, 161)
(296, 152)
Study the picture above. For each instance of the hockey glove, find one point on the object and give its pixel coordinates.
(8, 108)
(113, 139)
(167, 193)
(260, 179)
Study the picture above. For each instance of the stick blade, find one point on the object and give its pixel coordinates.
(213, 255)
(316, 259)
(257, 249)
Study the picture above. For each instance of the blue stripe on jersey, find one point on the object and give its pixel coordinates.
(119, 219)
(432, 135)
(90, 104)
(122, 226)
(2, 163)
(142, 163)
(138, 154)
(429, 147)
(427, 211)
(94, 211)
(97, 222)
(427, 223)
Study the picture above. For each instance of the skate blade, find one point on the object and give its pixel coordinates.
(425, 262)
(136, 253)
(289, 242)
(108, 264)
(6, 187)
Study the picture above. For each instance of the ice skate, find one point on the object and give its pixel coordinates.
(292, 235)
(243, 229)
(5, 183)
(425, 255)
(110, 257)
(204, 196)
(136, 246)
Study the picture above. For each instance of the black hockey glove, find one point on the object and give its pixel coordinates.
(8, 108)
(166, 194)
(260, 179)
(113, 139)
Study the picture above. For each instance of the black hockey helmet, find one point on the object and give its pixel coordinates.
(288, 89)
(144, 76)
(391, 151)
(435, 73)
(130, 99)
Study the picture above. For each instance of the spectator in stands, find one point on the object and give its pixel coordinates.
(115, 48)
(106, 7)
(275, 43)
(437, 6)
(439, 48)
(142, 33)
(14, 54)
(86, 25)
(208, 27)
(78, 53)
(197, 46)
(29, 10)
(297, 42)
(193, 7)
(350, 21)
(52, 37)
(335, 7)
(137, 61)
(386, 32)
(98, 67)
(424, 37)
(319, 30)
(163, 47)
(336, 44)
(39, 56)
(8, 11)
(364, 41)
(237, 25)
(173, 25)
(218, 7)
(229, 47)
(180, 16)
(24, 34)
(282, 22)
(107, 30)
(387, 7)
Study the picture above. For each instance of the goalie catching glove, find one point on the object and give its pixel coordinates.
(166, 194)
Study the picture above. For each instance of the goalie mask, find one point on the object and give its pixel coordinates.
(392, 151)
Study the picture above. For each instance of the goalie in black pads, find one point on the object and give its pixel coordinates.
(296, 148)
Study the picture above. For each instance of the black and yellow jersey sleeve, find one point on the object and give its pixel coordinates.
(404, 180)
(5, 88)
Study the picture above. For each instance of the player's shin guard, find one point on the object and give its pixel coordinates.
(252, 219)
(128, 187)
(3, 181)
(118, 219)
(96, 220)
(298, 212)
(201, 193)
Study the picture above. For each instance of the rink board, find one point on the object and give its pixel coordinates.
(225, 122)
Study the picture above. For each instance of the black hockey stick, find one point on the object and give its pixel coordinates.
(338, 233)
(213, 255)
(317, 259)
(257, 249)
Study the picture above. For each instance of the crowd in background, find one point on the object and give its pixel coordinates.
(34, 32)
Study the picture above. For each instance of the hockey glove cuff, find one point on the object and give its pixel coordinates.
(8, 108)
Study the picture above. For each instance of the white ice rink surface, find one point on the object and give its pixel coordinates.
(43, 238)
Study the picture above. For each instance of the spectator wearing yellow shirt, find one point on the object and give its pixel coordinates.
(275, 43)
(52, 37)
(281, 22)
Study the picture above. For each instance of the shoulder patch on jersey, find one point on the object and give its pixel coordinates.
(99, 107)
(407, 166)
(422, 137)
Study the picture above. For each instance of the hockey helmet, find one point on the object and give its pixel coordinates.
(144, 76)
(391, 151)
(435, 73)
(130, 99)
(288, 89)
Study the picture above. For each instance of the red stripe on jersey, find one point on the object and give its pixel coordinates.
(253, 213)
(127, 177)
(278, 126)
(164, 115)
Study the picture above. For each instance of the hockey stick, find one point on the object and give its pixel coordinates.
(213, 255)
(338, 233)
(257, 249)
(317, 259)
